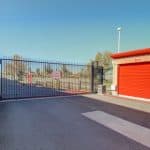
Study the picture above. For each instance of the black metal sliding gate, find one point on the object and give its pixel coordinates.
(22, 78)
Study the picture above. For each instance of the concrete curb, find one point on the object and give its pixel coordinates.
(129, 103)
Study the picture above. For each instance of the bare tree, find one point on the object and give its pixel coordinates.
(16, 67)
(104, 59)
(38, 71)
(65, 71)
(48, 69)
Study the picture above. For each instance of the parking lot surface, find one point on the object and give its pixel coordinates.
(59, 124)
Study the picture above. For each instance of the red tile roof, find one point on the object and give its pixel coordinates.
(131, 53)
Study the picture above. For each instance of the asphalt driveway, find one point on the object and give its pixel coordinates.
(58, 124)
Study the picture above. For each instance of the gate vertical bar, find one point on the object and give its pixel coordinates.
(92, 77)
(102, 76)
(1, 79)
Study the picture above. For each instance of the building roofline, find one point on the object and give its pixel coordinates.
(131, 53)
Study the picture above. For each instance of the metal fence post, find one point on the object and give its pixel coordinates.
(102, 75)
(92, 77)
(80, 85)
(1, 79)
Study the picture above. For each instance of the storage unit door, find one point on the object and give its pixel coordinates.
(134, 80)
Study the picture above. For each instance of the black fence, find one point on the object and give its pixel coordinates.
(22, 78)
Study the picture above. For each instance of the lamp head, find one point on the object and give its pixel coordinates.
(119, 29)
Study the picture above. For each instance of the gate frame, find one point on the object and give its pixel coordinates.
(96, 70)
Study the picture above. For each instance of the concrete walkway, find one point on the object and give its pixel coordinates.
(129, 103)
(124, 127)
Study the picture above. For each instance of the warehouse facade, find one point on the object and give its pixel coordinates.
(131, 74)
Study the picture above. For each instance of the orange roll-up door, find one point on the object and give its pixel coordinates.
(134, 80)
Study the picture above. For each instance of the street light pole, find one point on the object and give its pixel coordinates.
(119, 34)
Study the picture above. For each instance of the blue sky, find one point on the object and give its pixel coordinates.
(72, 30)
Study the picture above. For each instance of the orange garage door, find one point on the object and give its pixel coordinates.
(134, 80)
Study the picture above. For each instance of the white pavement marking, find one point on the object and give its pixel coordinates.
(131, 130)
